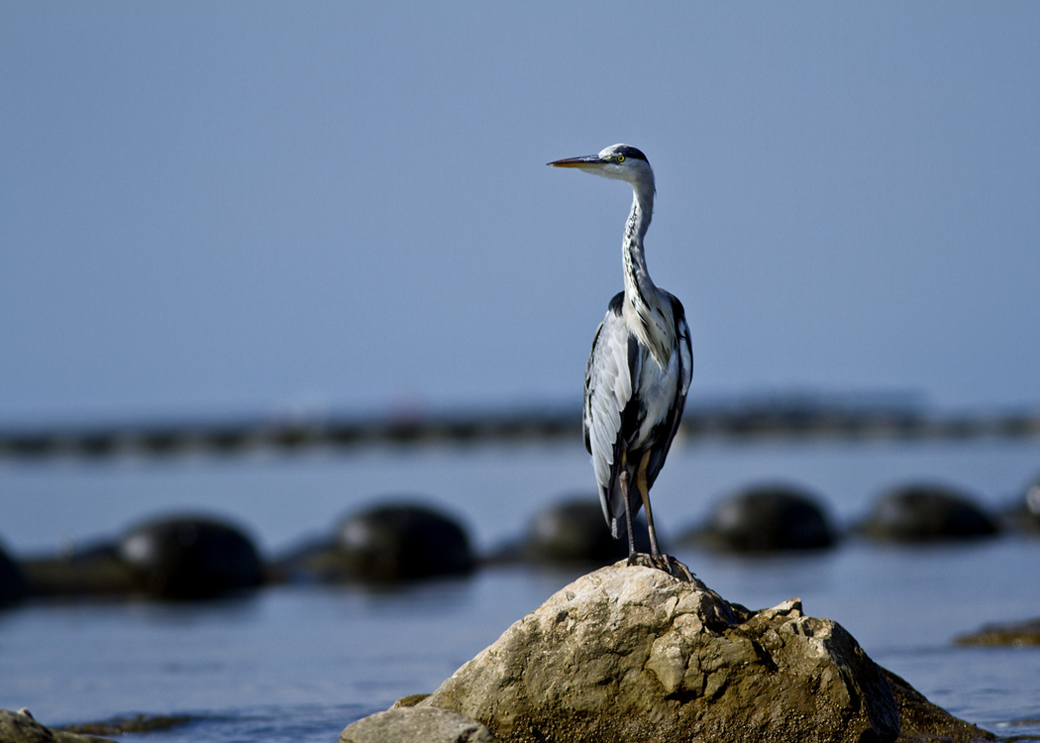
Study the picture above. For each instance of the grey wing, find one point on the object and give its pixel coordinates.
(675, 411)
(608, 390)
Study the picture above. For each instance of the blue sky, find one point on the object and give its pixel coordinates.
(221, 208)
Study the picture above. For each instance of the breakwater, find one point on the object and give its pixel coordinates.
(781, 419)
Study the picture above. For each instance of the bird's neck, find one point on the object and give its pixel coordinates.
(644, 313)
(638, 285)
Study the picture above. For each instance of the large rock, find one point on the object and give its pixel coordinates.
(408, 725)
(629, 654)
(20, 727)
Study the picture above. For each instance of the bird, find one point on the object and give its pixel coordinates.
(639, 370)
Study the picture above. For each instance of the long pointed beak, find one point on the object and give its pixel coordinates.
(589, 161)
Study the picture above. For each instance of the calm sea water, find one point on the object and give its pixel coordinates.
(299, 663)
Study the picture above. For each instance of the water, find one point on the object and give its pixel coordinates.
(300, 663)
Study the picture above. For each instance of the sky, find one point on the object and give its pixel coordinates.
(214, 209)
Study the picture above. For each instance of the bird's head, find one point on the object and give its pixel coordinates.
(620, 161)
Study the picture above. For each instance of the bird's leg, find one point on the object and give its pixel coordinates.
(644, 493)
(623, 478)
(666, 563)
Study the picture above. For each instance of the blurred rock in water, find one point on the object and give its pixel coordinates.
(389, 543)
(97, 570)
(404, 541)
(765, 519)
(12, 582)
(926, 513)
(191, 557)
(574, 531)
(1017, 634)
(20, 727)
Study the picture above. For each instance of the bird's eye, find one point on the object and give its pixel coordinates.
(620, 158)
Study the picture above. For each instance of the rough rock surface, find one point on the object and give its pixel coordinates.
(409, 725)
(631, 654)
(20, 727)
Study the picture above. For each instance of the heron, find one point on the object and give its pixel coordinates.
(639, 371)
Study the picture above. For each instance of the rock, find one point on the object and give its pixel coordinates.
(189, 557)
(410, 725)
(20, 727)
(403, 541)
(1014, 633)
(94, 571)
(926, 513)
(12, 582)
(766, 519)
(631, 654)
(575, 531)
(140, 723)
(922, 722)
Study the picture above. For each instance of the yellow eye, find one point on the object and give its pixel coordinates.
(620, 158)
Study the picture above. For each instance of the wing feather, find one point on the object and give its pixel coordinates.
(608, 390)
(670, 426)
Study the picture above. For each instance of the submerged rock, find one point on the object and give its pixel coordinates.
(20, 727)
(766, 519)
(409, 725)
(925, 513)
(628, 654)
(94, 571)
(1014, 633)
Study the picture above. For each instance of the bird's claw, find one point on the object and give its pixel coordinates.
(667, 563)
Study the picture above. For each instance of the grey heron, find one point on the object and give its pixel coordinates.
(639, 370)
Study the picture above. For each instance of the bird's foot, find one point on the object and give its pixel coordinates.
(667, 563)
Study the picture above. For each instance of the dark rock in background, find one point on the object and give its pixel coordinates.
(764, 519)
(927, 513)
(12, 582)
(574, 530)
(398, 542)
(191, 557)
